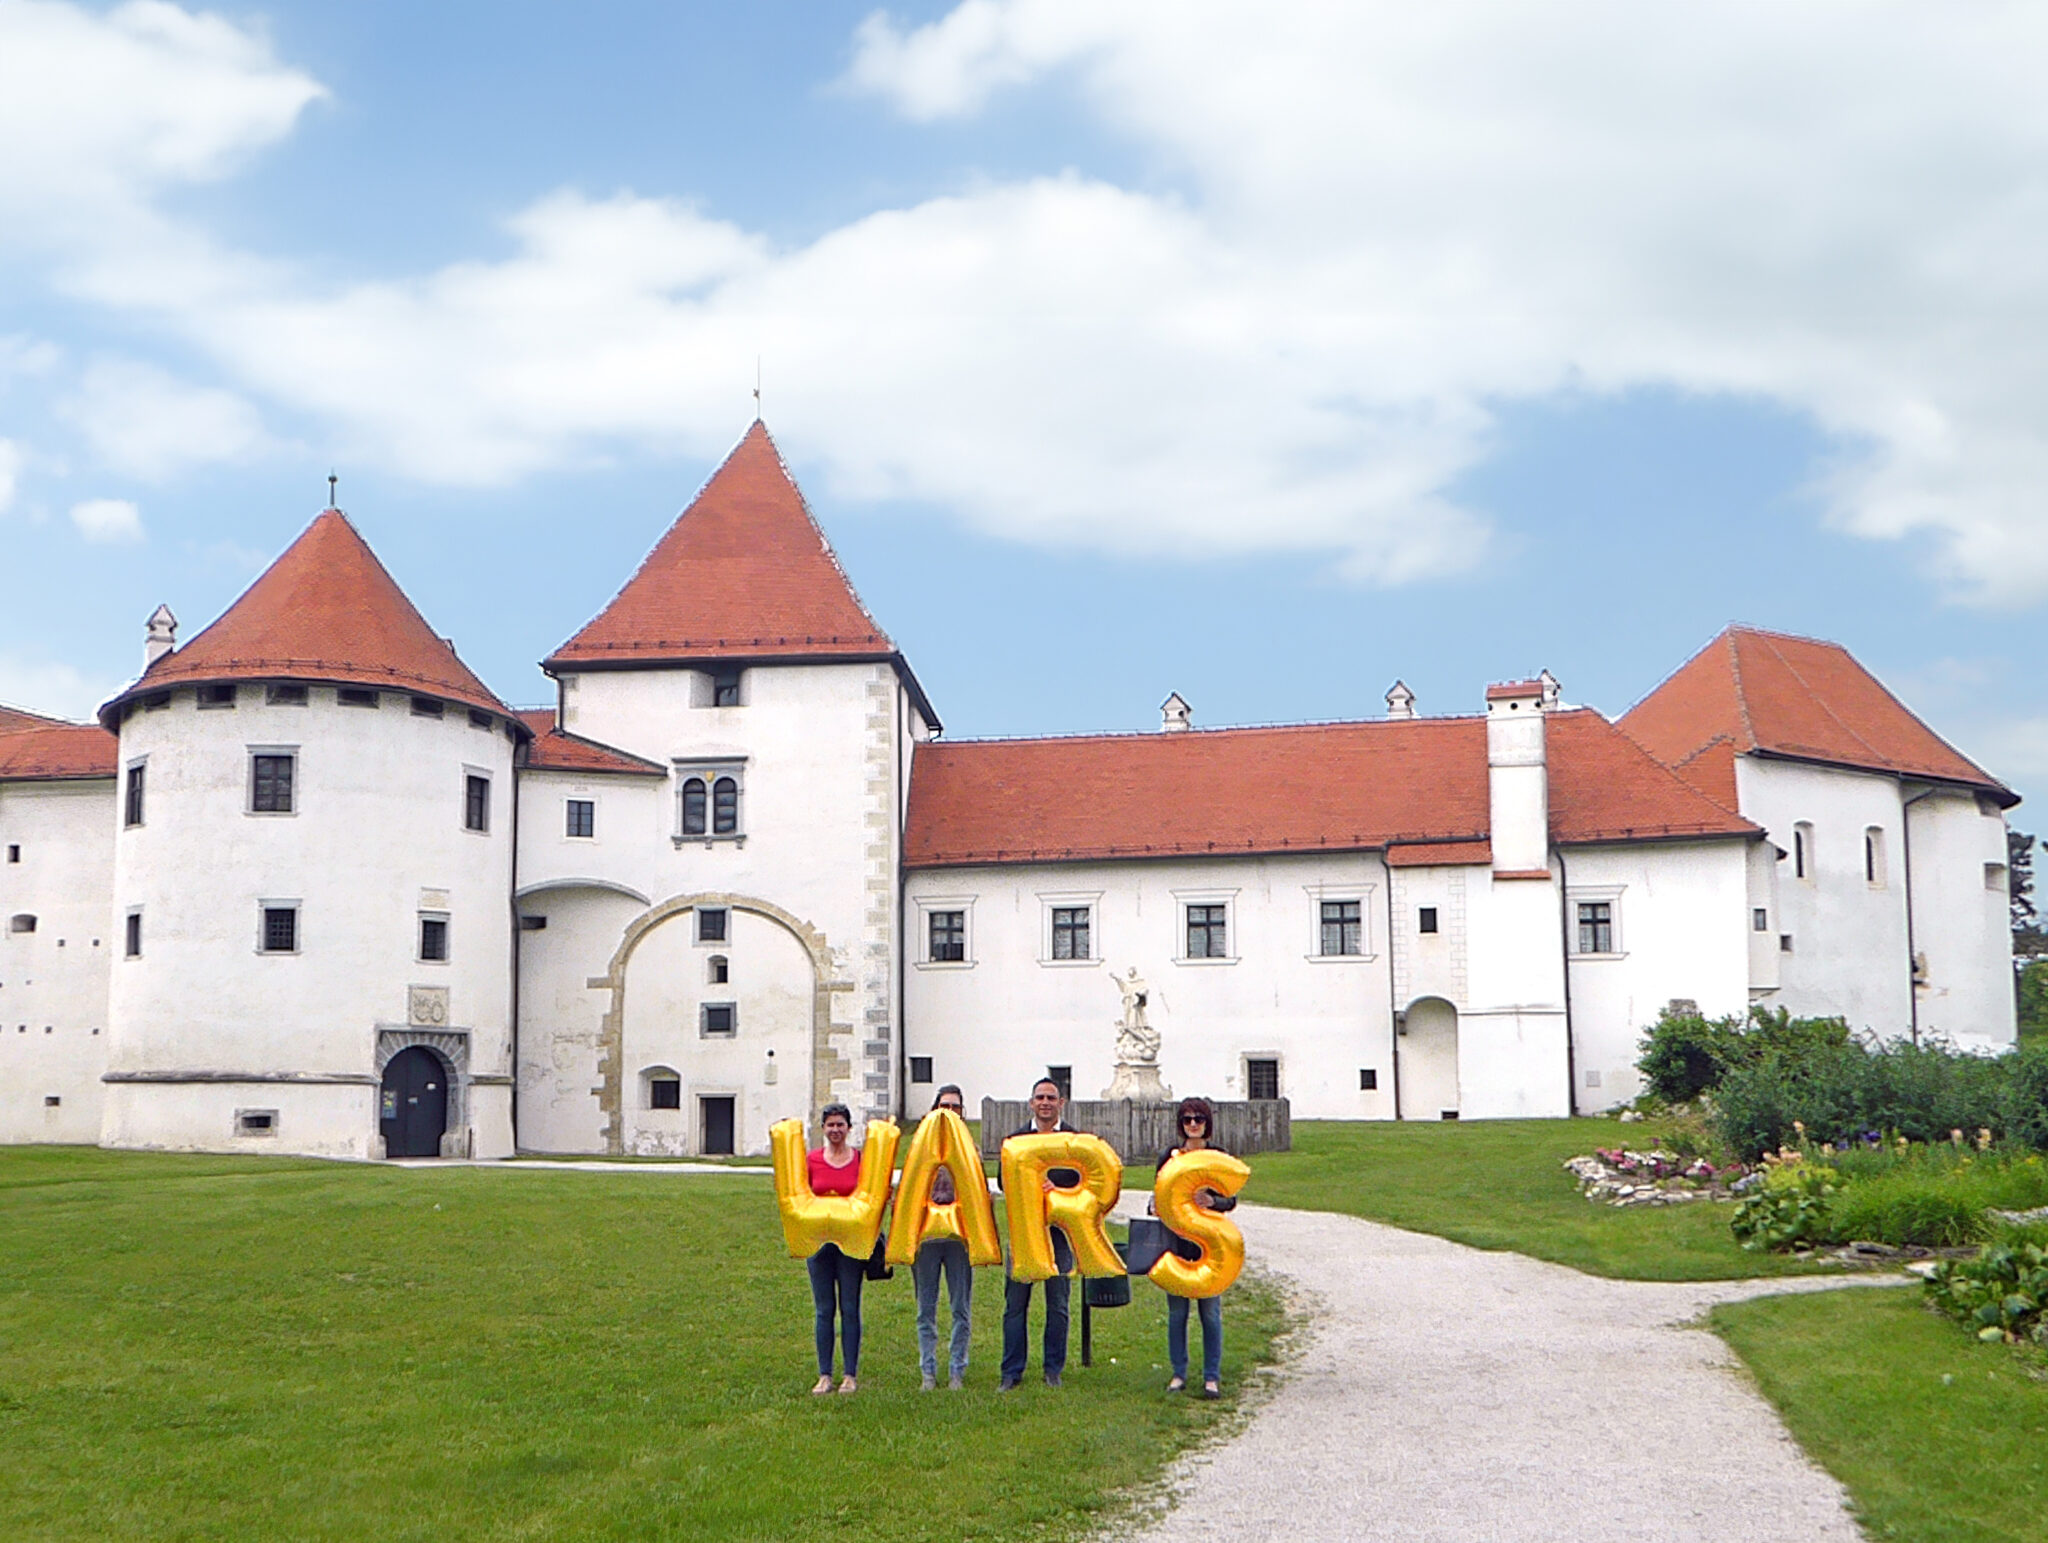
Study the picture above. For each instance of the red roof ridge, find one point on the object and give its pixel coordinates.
(1211, 731)
(14, 718)
(544, 755)
(1741, 698)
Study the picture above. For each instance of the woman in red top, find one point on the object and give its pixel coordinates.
(835, 1170)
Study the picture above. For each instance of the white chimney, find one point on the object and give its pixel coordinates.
(161, 637)
(1517, 777)
(1553, 693)
(1400, 701)
(1175, 716)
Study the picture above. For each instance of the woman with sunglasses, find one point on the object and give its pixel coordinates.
(1196, 1122)
(836, 1279)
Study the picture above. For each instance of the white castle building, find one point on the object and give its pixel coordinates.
(310, 886)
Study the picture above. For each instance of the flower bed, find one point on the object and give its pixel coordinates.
(1621, 1177)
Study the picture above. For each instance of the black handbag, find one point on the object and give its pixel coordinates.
(878, 1266)
(1150, 1241)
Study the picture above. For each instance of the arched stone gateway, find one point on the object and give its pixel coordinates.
(1429, 1060)
(827, 1064)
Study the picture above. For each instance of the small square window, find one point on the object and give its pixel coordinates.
(1368, 1079)
(479, 720)
(1070, 932)
(476, 803)
(280, 929)
(1208, 932)
(1343, 927)
(285, 696)
(427, 707)
(255, 1122)
(1760, 920)
(719, 970)
(725, 689)
(1262, 1079)
(720, 1020)
(711, 924)
(1596, 926)
(270, 783)
(355, 696)
(14, 851)
(217, 696)
(947, 937)
(131, 942)
(580, 818)
(22, 921)
(1784, 942)
(533, 924)
(434, 939)
(664, 1093)
(1425, 919)
(1063, 1078)
(920, 1068)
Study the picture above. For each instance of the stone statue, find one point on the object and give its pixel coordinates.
(1137, 1046)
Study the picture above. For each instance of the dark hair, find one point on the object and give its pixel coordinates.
(1198, 1106)
(951, 1087)
(829, 1110)
(1047, 1082)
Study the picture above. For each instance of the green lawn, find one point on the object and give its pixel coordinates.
(232, 1348)
(1938, 1438)
(1499, 1184)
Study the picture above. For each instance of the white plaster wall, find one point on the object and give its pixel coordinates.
(53, 981)
(1765, 975)
(378, 821)
(763, 1067)
(821, 810)
(1962, 924)
(1429, 1059)
(996, 1023)
(1681, 915)
(1848, 954)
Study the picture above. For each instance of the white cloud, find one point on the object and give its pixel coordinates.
(108, 521)
(145, 422)
(10, 473)
(56, 690)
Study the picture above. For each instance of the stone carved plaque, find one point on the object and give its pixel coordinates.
(426, 1007)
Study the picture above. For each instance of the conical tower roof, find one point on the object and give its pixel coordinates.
(327, 610)
(743, 573)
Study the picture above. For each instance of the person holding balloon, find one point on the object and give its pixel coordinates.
(947, 1256)
(1196, 1122)
(1048, 1104)
(836, 1278)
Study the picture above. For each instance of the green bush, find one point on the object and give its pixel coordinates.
(1846, 1094)
(2025, 1111)
(1790, 1209)
(1685, 1054)
(1907, 1208)
(2000, 1293)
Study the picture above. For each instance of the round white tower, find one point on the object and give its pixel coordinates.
(312, 878)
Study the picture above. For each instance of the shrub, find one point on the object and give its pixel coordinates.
(1685, 1054)
(1902, 1209)
(2000, 1293)
(1792, 1207)
(1845, 1093)
(2025, 1111)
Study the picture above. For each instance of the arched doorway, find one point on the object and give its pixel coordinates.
(1429, 1060)
(414, 1104)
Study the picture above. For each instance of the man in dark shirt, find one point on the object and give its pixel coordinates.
(1047, 1105)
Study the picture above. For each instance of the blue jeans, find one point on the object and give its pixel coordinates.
(1017, 1311)
(1211, 1311)
(948, 1255)
(835, 1275)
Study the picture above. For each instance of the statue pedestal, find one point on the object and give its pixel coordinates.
(1139, 1083)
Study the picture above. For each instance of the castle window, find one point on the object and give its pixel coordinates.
(479, 720)
(217, 696)
(725, 806)
(1208, 932)
(1425, 919)
(1596, 926)
(1760, 919)
(1368, 1079)
(664, 1091)
(693, 807)
(1802, 851)
(156, 701)
(278, 928)
(1070, 932)
(1994, 874)
(718, 971)
(1343, 927)
(947, 938)
(725, 689)
(271, 777)
(433, 937)
(255, 1122)
(285, 696)
(14, 851)
(21, 921)
(1874, 873)
(427, 707)
(131, 943)
(1261, 1078)
(920, 1068)
(720, 1020)
(131, 814)
(711, 924)
(476, 803)
(708, 800)
(355, 696)
(580, 818)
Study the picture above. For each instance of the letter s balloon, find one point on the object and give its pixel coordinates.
(1222, 1245)
(852, 1221)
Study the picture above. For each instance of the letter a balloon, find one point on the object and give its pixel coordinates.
(852, 1221)
(942, 1141)
(1222, 1245)
(1078, 1211)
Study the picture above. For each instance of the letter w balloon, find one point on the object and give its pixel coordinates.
(852, 1221)
(942, 1141)
(1174, 1198)
(1078, 1211)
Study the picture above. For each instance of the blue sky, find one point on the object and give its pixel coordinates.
(1120, 350)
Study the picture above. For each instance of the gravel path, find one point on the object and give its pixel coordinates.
(1447, 1393)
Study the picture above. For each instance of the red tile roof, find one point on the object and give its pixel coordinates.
(1503, 690)
(1311, 787)
(1772, 694)
(744, 572)
(12, 718)
(326, 610)
(1440, 854)
(56, 752)
(554, 750)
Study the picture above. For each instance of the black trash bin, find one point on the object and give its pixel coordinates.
(1102, 1291)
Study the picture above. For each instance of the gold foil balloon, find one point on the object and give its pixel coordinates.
(942, 1141)
(1079, 1212)
(1173, 1198)
(852, 1221)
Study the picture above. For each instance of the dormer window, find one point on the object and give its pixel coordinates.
(426, 707)
(285, 696)
(355, 696)
(217, 696)
(725, 689)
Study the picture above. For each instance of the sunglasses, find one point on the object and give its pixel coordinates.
(1194, 1119)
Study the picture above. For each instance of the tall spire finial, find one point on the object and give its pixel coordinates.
(331, 481)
